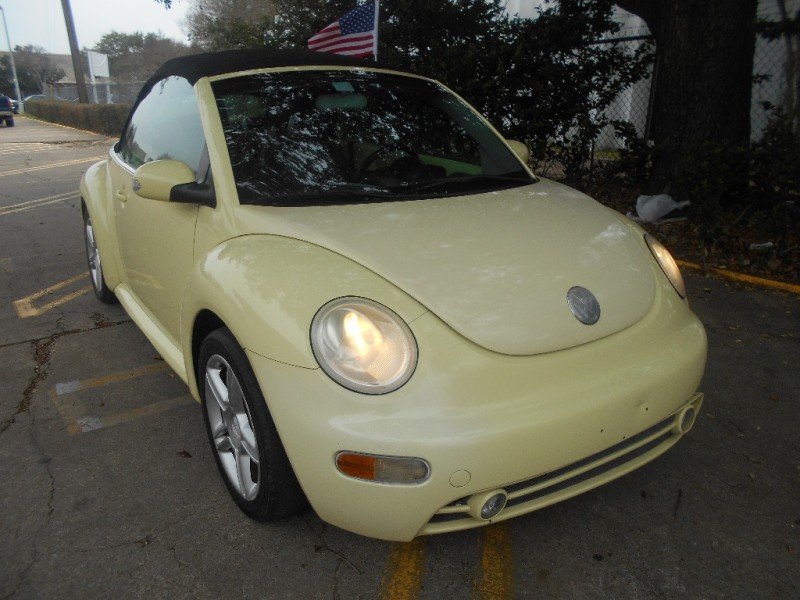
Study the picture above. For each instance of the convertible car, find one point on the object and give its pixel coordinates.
(382, 311)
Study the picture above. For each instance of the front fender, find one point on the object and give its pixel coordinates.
(267, 289)
(96, 192)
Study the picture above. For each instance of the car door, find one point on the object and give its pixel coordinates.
(156, 238)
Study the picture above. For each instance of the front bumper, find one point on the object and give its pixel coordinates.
(540, 428)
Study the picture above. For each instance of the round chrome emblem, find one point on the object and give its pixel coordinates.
(583, 305)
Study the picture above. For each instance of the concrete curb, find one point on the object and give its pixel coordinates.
(742, 278)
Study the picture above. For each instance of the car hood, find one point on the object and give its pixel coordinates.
(496, 267)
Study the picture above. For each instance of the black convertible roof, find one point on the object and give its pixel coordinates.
(195, 66)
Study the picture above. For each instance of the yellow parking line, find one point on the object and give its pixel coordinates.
(70, 387)
(90, 423)
(25, 308)
(742, 278)
(65, 397)
(497, 562)
(31, 204)
(55, 165)
(404, 569)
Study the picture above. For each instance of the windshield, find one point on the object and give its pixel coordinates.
(314, 137)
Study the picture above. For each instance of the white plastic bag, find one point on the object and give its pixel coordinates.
(652, 208)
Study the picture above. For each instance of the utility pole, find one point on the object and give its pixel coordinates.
(13, 66)
(77, 63)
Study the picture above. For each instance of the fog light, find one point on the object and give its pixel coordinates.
(383, 469)
(488, 505)
(686, 419)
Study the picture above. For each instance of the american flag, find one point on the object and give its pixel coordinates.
(354, 34)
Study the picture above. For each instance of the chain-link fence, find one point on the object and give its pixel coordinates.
(776, 65)
(102, 92)
(776, 75)
(632, 105)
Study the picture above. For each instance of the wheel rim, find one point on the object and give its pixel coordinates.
(231, 427)
(95, 267)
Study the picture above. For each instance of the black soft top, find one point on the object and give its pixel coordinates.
(195, 66)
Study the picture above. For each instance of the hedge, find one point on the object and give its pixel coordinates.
(107, 119)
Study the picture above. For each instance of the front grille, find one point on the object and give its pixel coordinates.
(575, 478)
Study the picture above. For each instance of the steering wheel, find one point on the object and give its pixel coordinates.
(385, 149)
(408, 167)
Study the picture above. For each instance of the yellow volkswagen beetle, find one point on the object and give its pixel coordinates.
(383, 312)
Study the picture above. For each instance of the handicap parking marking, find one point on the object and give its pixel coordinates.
(79, 416)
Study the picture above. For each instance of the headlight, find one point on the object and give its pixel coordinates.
(667, 264)
(363, 346)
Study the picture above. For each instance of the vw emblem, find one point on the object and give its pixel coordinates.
(583, 305)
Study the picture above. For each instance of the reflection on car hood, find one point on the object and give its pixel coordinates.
(496, 267)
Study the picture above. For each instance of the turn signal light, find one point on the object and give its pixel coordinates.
(383, 469)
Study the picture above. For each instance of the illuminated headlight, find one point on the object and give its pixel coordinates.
(667, 264)
(363, 346)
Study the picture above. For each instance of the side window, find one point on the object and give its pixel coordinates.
(166, 124)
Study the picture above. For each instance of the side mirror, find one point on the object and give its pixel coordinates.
(172, 181)
(520, 149)
(155, 180)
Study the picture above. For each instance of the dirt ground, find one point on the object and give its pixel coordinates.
(760, 241)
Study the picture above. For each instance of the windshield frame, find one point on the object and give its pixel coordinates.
(439, 183)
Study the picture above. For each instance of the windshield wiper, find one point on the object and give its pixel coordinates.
(344, 194)
(460, 181)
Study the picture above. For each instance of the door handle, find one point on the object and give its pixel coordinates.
(122, 195)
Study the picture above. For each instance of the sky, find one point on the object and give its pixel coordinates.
(41, 22)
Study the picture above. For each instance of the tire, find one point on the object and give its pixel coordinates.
(9, 122)
(101, 290)
(243, 437)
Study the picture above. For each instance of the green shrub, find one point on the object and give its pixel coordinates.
(107, 119)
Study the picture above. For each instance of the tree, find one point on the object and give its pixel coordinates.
(227, 24)
(134, 56)
(700, 119)
(35, 70)
(561, 81)
(542, 81)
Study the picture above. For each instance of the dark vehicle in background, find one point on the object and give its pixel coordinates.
(6, 110)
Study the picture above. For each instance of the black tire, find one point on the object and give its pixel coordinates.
(101, 290)
(245, 443)
(9, 122)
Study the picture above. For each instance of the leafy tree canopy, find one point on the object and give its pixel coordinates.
(227, 24)
(134, 56)
(541, 80)
(35, 70)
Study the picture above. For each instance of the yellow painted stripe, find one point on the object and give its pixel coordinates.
(70, 387)
(17, 149)
(404, 570)
(497, 564)
(782, 286)
(25, 308)
(89, 423)
(54, 165)
(31, 204)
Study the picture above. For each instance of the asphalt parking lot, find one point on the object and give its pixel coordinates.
(108, 486)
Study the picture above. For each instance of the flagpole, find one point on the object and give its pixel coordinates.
(375, 43)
